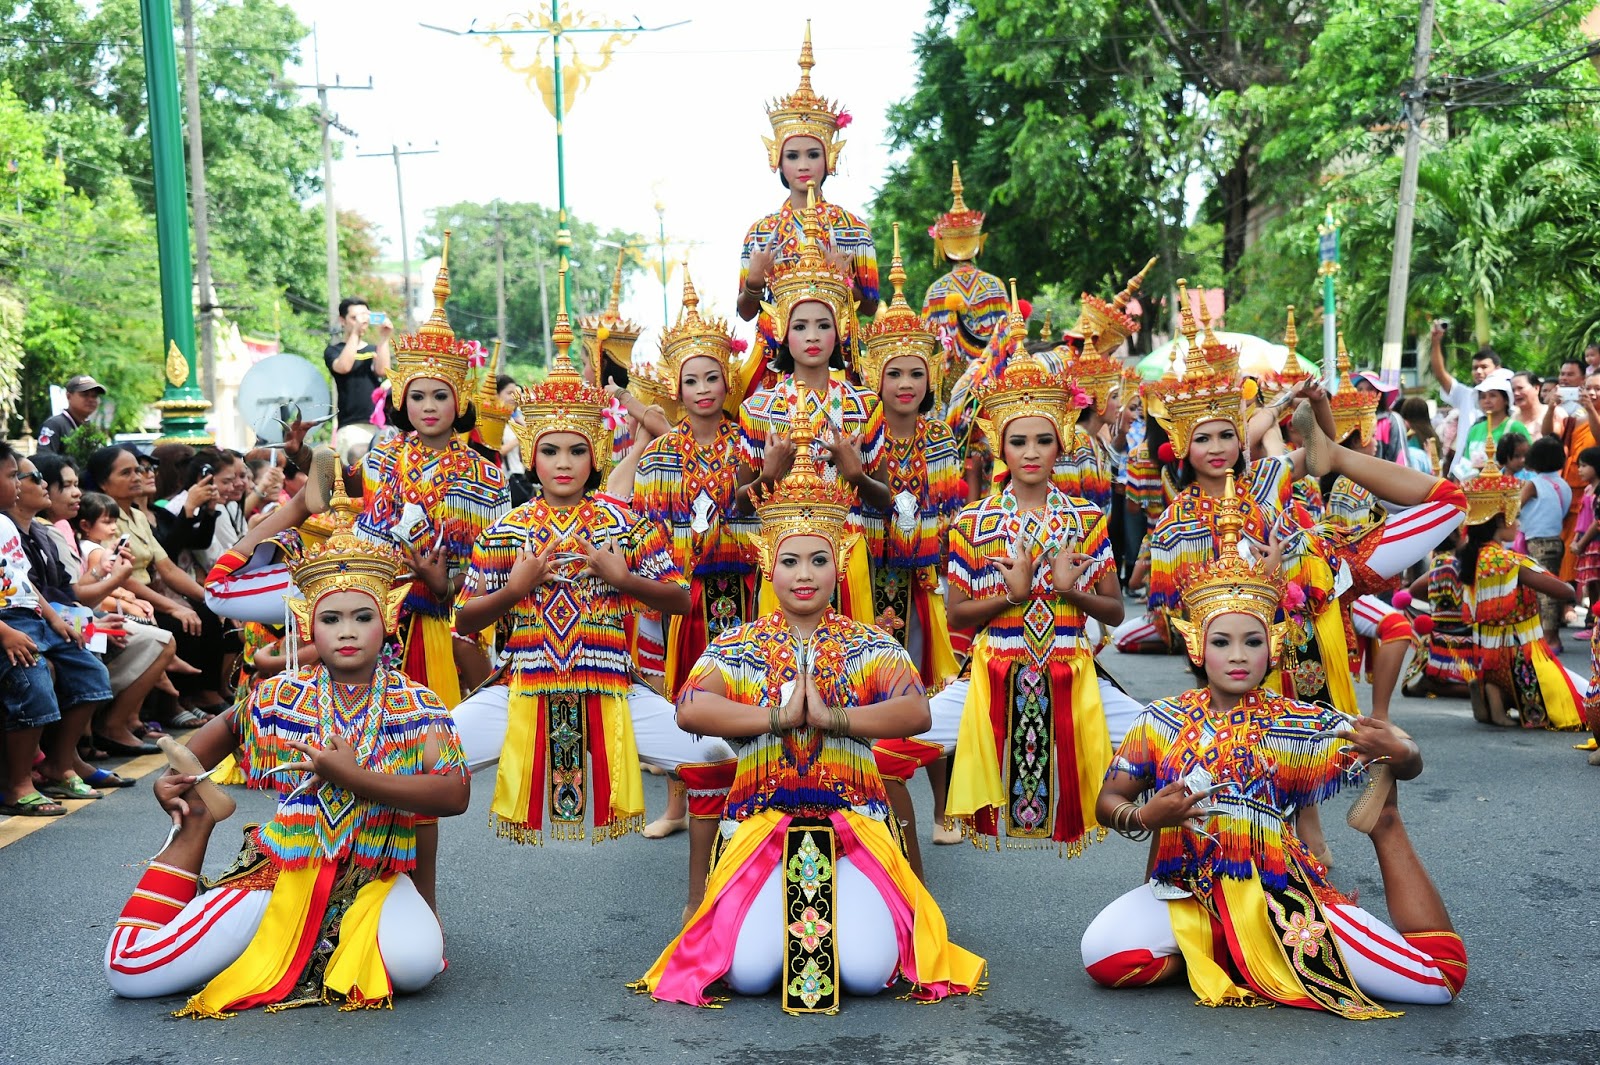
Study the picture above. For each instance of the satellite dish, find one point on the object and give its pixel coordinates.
(276, 388)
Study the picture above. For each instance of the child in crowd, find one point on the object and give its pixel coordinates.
(1586, 549)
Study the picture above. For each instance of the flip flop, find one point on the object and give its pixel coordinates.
(34, 805)
(105, 778)
(126, 750)
(71, 787)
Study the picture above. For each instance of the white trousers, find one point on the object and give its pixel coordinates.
(1382, 963)
(863, 929)
(482, 718)
(253, 593)
(212, 931)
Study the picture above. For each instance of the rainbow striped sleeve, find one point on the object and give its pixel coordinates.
(650, 555)
(1147, 741)
(967, 565)
(493, 555)
(755, 422)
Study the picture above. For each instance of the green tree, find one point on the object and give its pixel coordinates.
(529, 233)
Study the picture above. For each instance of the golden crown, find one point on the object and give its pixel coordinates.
(694, 337)
(334, 559)
(1110, 321)
(898, 330)
(1026, 389)
(811, 277)
(1228, 584)
(1491, 493)
(958, 234)
(1354, 409)
(433, 350)
(803, 503)
(649, 382)
(610, 334)
(1209, 390)
(1096, 371)
(1292, 374)
(564, 402)
(805, 114)
(492, 414)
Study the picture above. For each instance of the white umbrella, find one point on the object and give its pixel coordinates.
(1256, 356)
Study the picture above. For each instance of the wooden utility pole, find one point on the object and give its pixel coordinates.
(1394, 324)
(197, 196)
(330, 122)
(395, 153)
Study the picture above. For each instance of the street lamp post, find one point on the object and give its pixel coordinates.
(553, 84)
(183, 406)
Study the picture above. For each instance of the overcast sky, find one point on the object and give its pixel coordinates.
(678, 116)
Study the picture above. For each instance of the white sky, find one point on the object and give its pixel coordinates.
(678, 116)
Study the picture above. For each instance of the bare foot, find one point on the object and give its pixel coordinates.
(178, 665)
(946, 834)
(662, 827)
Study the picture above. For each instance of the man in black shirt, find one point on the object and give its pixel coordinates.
(358, 369)
(83, 399)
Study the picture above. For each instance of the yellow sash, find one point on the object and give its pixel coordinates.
(1560, 708)
(356, 969)
(266, 959)
(440, 656)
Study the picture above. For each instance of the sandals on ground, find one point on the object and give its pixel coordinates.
(69, 787)
(35, 805)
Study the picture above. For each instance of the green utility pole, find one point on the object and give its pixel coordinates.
(183, 406)
(1328, 267)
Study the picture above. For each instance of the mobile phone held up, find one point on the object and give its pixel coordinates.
(378, 318)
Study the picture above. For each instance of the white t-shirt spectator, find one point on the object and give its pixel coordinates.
(16, 581)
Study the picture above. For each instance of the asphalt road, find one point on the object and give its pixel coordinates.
(542, 940)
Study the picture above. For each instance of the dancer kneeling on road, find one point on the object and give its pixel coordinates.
(810, 892)
(318, 905)
(1235, 898)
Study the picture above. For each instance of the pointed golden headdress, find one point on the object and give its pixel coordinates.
(1026, 389)
(803, 504)
(563, 402)
(610, 334)
(694, 337)
(812, 277)
(433, 350)
(958, 234)
(1229, 585)
(1353, 408)
(1292, 373)
(1110, 321)
(1491, 493)
(898, 330)
(805, 114)
(492, 414)
(1096, 371)
(333, 559)
(1209, 390)
(649, 382)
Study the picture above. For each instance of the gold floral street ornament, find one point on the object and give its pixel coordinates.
(177, 366)
(538, 72)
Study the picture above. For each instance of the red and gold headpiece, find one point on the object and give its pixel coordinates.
(433, 350)
(898, 330)
(694, 337)
(1026, 389)
(1491, 493)
(610, 334)
(812, 277)
(1354, 409)
(958, 234)
(333, 559)
(804, 504)
(1110, 321)
(1229, 585)
(1209, 390)
(1292, 374)
(805, 114)
(563, 402)
(1097, 371)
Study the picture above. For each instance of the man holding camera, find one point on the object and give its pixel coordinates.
(358, 368)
